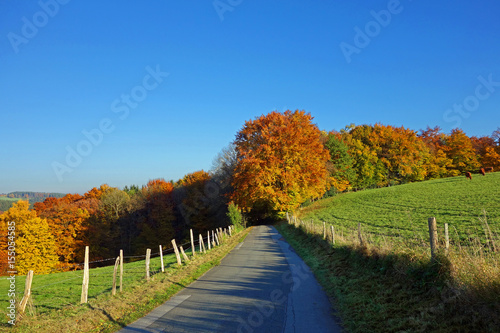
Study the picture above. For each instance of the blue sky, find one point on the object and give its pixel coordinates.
(160, 87)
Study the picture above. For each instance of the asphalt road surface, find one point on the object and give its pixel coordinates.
(261, 286)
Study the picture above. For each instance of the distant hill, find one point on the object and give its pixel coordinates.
(6, 200)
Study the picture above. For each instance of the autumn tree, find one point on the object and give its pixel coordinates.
(342, 174)
(200, 203)
(370, 171)
(115, 201)
(281, 162)
(440, 164)
(156, 226)
(67, 218)
(35, 245)
(458, 147)
(403, 153)
(487, 150)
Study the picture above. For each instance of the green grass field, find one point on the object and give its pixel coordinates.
(390, 283)
(9, 199)
(403, 210)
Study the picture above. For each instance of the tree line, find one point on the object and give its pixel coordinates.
(276, 163)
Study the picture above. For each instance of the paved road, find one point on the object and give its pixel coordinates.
(261, 286)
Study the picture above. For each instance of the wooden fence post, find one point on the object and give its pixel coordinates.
(361, 240)
(161, 260)
(113, 290)
(27, 292)
(202, 245)
(176, 250)
(85, 283)
(213, 238)
(121, 270)
(230, 231)
(324, 230)
(192, 243)
(333, 234)
(433, 236)
(217, 240)
(208, 240)
(489, 237)
(447, 238)
(148, 257)
(183, 253)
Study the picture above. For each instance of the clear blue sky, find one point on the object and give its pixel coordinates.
(73, 66)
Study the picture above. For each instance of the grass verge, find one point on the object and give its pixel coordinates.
(396, 291)
(106, 313)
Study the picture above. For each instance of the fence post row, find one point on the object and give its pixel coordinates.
(119, 262)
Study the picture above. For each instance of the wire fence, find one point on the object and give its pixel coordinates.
(480, 241)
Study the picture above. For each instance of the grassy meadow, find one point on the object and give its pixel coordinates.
(389, 283)
(403, 210)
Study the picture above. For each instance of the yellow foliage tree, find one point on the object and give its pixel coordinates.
(35, 245)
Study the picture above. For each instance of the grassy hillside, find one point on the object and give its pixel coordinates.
(403, 210)
(390, 283)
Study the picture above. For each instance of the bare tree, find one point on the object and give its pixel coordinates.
(223, 167)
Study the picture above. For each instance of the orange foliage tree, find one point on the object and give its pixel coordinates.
(281, 162)
(197, 208)
(458, 147)
(487, 151)
(67, 222)
(156, 224)
(440, 164)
